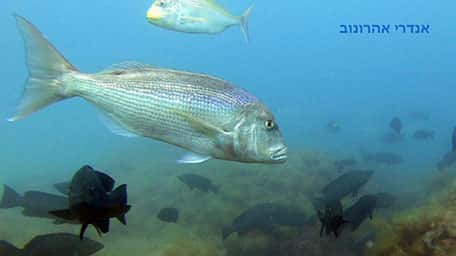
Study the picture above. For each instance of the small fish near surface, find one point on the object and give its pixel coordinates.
(423, 134)
(198, 182)
(34, 203)
(58, 244)
(218, 121)
(196, 16)
(348, 183)
(360, 211)
(264, 218)
(90, 203)
(449, 158)
(168, 214)
(386, 158)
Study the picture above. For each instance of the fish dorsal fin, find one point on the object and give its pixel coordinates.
(205, 3)
(199, 2)
(124, 67)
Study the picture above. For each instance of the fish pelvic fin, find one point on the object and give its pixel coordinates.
(244, 21)
(193, 158)
(46, 68)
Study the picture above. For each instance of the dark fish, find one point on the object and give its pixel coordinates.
(344, 163)
(35, 203)
(449, 158)
(423, 134)
(396, 125)
(385, 200)
(333, 126)
(90, 203)
(168, 215)
(58, 244)
(360, 211)
(106, 180)
(331, 218)
(384, 158)
(198, 182)
(264, 218)
(392, 138)
(348, 183)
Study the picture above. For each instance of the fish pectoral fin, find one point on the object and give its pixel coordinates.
(115, 125)
(202, 126)
(192, 158)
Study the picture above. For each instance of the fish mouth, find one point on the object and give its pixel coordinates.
(280, 155)
(154, 13)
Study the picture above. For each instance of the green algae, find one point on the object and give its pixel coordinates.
(428, 230)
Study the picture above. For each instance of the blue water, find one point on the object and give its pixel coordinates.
(297, 62)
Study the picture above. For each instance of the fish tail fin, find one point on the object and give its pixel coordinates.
(244, 20)
(118, 198)
(46, 68)
(8, 249)
(10, 198)
(119, 195)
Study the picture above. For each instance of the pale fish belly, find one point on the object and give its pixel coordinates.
(205, 20)
(151, 102)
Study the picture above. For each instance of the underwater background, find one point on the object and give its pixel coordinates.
(301, 66)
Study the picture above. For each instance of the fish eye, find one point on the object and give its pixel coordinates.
(161, 3)
(269, 124)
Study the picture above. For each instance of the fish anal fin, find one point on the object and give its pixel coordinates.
(103, 226)
(122, 219)
(83, 230)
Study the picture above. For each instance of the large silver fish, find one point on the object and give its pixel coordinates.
(203, 114)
